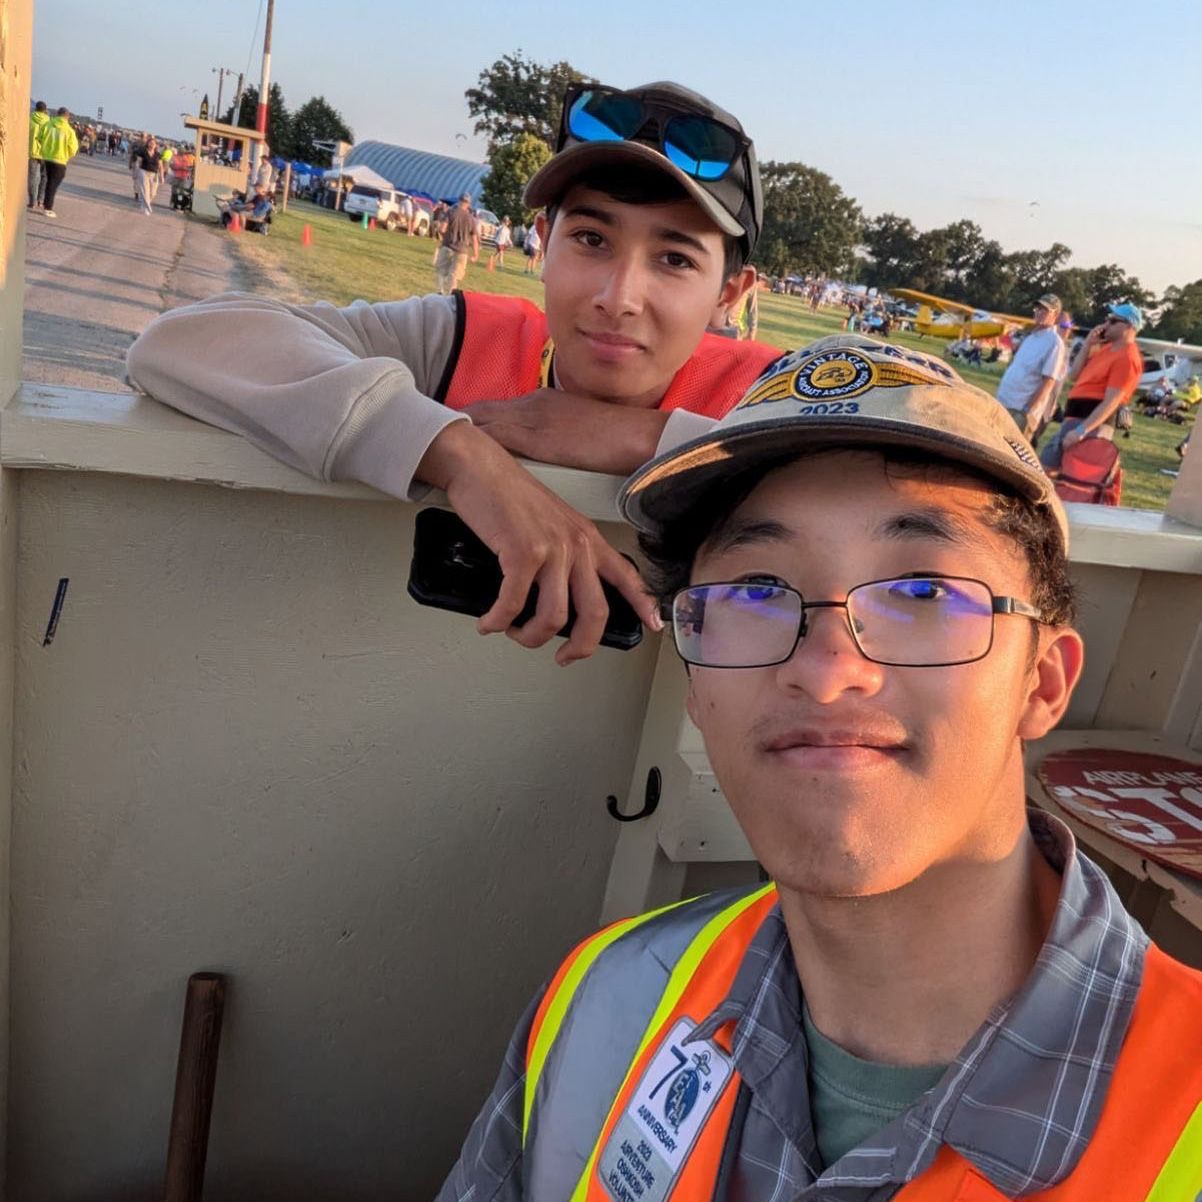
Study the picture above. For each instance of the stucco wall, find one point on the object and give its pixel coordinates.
(247, 750)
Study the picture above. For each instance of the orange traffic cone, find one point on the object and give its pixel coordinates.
(371, 225)
(235, 224)
(490, 264)
(306, 237)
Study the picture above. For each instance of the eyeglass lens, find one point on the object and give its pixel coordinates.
(909, 622)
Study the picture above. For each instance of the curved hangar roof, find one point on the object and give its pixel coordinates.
(437, 175)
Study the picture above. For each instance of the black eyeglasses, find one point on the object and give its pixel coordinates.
(907, 622)
(704, 148)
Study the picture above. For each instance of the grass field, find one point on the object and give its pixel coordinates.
(346, 263)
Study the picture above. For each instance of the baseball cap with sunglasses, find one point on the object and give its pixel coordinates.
(668, 127)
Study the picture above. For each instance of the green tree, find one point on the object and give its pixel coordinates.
(317, 121)
(1109, 285)
(279, 121)
(1182, 316)
(1035, 273)
(891, 242)
(511, 165)
(1074, 287)
(963, 243)
(809, 224)
(516, 95)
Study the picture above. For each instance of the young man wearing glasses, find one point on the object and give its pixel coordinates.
(1101, 380)
(938, 997)
(653, 210)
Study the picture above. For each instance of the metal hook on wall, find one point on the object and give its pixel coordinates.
(651, 795)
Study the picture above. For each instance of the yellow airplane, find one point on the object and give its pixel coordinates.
(941, 318)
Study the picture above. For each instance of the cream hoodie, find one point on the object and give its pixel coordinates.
(341, 394)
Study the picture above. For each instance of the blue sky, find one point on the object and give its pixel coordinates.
(966, 110)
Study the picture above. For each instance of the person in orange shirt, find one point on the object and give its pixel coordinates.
(1101, 378)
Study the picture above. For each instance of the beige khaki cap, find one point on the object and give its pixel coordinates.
(844, 391)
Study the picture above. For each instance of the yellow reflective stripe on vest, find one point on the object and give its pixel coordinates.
(682, 974)
(1181, 1178)
(554, 1017)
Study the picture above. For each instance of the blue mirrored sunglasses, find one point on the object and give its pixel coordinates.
(702, 147)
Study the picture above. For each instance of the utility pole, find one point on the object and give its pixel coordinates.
(238, 96)
(222, 72)
(264, 89)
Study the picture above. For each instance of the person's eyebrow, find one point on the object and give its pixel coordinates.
(739, 533)
(680, 238)
(593, 214)
(937, 524)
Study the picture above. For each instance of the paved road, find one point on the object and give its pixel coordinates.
(95, 276)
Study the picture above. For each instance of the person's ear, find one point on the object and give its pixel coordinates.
(1053, 678)
(542, 227)
(737, 287)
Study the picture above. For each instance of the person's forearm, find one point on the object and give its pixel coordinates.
(337, 393)
(1036, 403)
(1076, 363)
(1109, 404)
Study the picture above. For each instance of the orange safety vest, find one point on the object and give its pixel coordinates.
(502, 350)
(1147, 1146)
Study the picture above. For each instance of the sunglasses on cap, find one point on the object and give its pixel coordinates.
(704, 148)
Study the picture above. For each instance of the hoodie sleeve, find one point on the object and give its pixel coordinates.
(341, 394)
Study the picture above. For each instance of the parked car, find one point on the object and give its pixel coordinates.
(486, 225)
(384, 204)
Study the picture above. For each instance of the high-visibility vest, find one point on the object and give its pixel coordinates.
(607, 1043)
(503, 350)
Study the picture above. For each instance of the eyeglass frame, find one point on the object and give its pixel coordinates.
(998, 605)
(653, 110)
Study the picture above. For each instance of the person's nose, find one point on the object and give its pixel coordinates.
(622, 290)
(827, 664)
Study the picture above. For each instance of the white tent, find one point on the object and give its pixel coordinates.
(360, 174)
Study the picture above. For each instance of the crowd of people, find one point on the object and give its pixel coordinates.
(54, 140)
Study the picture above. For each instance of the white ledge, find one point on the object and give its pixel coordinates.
(74, 429)
(51, 428)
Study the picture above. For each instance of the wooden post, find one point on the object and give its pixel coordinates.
(16, 40)
(287, 187)
(194, 1080)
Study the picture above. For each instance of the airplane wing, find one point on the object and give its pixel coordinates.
(1182, 348)
(936, 302)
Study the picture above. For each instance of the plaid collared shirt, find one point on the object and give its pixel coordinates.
(1020, 1101)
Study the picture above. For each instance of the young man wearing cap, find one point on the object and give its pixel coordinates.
(1028, 386)
(653, 209)
(1101, 379)
(938, 997)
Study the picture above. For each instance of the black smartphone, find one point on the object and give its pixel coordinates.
(452, 569)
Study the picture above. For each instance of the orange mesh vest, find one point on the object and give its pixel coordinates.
(502, 348)
(1147, 1146)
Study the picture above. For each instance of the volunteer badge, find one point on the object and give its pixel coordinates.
(651, 1141)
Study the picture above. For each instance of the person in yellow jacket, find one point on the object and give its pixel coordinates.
(38, 120)
(59, 146)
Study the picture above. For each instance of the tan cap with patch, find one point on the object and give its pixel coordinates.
(844, 391)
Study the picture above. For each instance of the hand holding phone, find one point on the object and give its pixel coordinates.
(538, 538)
(452, 569)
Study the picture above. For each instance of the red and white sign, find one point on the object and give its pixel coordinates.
(1150, 803)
